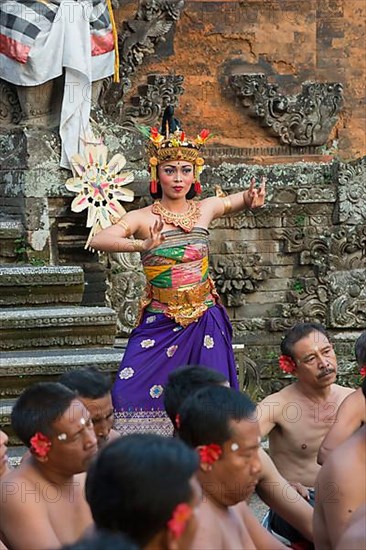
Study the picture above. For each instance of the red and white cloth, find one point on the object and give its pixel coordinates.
(41, 40)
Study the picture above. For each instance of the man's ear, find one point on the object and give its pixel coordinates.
(204, 466)
(172, 542)
(41, 459)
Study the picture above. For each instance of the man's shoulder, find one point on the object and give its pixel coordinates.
(281, 396)
(342, 391)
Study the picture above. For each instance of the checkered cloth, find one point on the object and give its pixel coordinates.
(21, 22)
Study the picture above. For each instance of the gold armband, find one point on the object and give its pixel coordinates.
(227, 205)
(138, 245)
(125, 226)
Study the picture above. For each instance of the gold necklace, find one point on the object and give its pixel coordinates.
(185, 221)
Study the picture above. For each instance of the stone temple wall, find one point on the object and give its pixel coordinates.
(289, 41)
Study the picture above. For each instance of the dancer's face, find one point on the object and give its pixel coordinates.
(176, 178)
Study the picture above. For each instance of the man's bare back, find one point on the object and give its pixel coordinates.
(40, 504)
(296, 426)
(341, 489)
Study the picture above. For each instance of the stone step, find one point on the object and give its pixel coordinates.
(56, 327)
(40, 286)
(19, 369)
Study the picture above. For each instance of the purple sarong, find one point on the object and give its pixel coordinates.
(158, 346)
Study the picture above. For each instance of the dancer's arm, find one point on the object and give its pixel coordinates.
(248, 199)
(116, 238)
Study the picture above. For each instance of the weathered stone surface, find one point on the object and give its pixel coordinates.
(56, 327)
(33, 286)
(228, 38)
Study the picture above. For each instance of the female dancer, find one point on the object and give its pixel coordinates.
(182, 320)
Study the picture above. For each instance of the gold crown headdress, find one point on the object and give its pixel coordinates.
(174, 146)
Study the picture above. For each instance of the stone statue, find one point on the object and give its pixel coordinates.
(54, 49)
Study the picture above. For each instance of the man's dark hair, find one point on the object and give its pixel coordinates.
(360, 350)
(103, 540)
(88, 382)
(205, 416)
(137, 481)
(38, 407)
(296, 333)
(183, 382)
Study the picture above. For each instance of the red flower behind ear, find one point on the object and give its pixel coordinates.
(209, 453)
(287, 364)
(363, 372)
(179, 519)
(177, 421)
(40, 444)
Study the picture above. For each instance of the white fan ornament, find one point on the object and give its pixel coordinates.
(100, 187)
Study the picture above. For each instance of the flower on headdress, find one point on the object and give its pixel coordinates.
(209, 453)
(179, 519)
(287, 364)
(363, 372)
(155, 136)
(100, 186)
(203, 136)
(40, 444)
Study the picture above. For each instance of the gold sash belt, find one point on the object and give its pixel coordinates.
(184, 305)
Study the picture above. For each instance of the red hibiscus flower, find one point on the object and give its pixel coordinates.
(209, 453)
(40, 444)
(179, 519)
(363, 372)
(287, 364)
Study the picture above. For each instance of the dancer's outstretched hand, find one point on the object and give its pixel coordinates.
(156, 236)
(254, 197)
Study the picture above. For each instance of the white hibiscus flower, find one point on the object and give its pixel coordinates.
(126, 373)
(208, 341)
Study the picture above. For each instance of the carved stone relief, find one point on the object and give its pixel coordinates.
(234, 277)
(347, 292)
(139, 38)
(299, 120)
(335, 295)
(125, 288)
(147, 107)
(10, 109)
(351, 192)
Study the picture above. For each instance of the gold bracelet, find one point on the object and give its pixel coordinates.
(227, 205)
(137, 245)
(125, 226)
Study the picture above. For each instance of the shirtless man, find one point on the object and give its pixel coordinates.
(297, 418)
(340, 489)
(272, 488)
(46, 492)
(219, 423)
(355, 534)
(4, 468)
(352, 413)
(94, 391)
